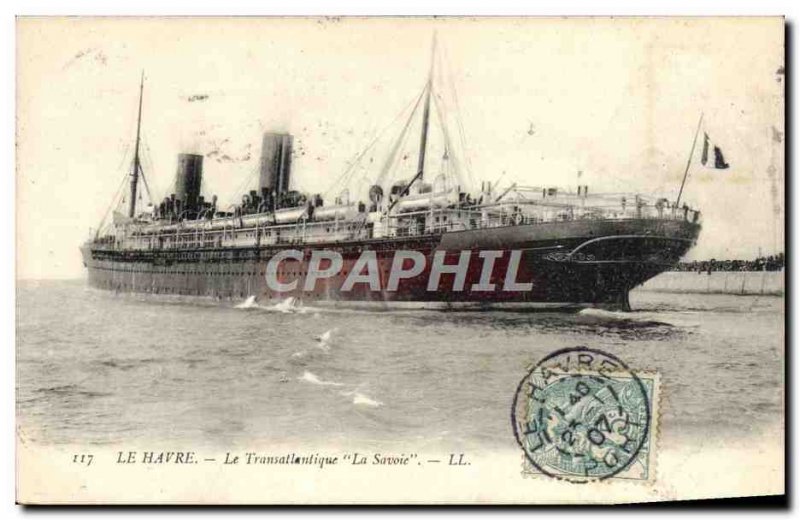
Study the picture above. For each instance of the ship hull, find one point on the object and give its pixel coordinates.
(559, 265)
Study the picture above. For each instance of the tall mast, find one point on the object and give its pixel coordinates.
(135, 173)
(689, 161)
(423, 140)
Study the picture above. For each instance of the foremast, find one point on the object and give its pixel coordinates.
(136, 167)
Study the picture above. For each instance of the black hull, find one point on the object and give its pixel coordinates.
(569, 264)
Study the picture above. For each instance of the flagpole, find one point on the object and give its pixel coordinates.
(689, 162)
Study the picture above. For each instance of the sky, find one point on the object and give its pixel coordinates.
(539, 99)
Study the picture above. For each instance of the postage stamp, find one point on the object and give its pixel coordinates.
(581, 415)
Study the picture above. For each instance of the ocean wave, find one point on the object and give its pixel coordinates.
(326, 336)
(249, 303)
(71, 391)
(58, 389)
(360, 399)
(644, 318)
(636, 325)
(324, 340)
(286, 306)
(114, 363)
(290, 305)
(310, 377)
(363, 400)
(305, 356)
(603, 313)
(126, 364)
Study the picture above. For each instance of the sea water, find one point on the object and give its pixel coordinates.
(99, 368)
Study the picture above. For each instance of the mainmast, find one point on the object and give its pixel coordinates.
(423, 140)
(135, 172)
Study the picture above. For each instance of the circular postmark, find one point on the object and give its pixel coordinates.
(581, 415)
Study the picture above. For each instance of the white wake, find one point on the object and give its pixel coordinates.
(249, 303)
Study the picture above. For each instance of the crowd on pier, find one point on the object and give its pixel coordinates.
(762, 263)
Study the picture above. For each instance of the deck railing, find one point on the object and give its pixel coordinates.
(226, 232)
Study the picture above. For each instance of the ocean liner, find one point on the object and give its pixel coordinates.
(419, 241)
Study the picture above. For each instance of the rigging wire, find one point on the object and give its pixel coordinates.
(124, 157)
(392, 161)
(448, 143)
(389, 165)
(380, 179)
(346, 176)
(402, 139)
(127, 147)
(147, 188)
(125, 174)
(459, 118)
(114, 202)
(149, 160)
(247, 181)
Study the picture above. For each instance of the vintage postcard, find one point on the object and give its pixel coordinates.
(398, 260)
